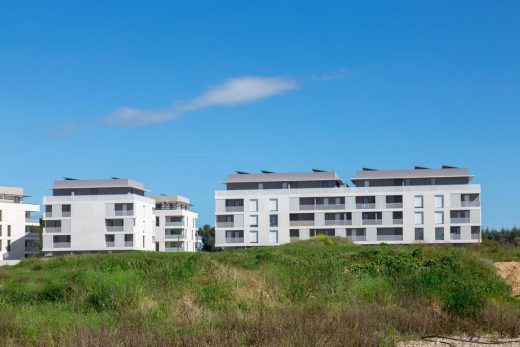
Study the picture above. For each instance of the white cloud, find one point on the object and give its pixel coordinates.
(68, 130)
(234, 91)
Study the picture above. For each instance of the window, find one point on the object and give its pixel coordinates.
(327, 232)
(418, 201)
(143, 241)
(273, 204)
(439, 233)
(439, 217)
(8, 246)
(366, 183)
(65, 210)
(253, 205)
(273, 220)
(253, 221)
(407, 182)
(419, 218)
(419, 234)
(8, 231)
(234, 236)
(253, 236)
(109, 239)
(324, 184)
(294, 233)
(433, 181)
(285, 185)
(129, 240)
(439, 201)
(157, 221)
(273, 236)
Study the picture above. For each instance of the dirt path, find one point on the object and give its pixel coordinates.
(510, 272)
(479, 342)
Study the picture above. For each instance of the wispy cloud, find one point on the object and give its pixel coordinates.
(337, 74)
(234, 91)
(68, 129)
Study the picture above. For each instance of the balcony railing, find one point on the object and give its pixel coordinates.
(173, 249)
(124, 212)
(397, 221)
(475, 236)
(65, 213)
(302, 223)
(32, 249)
(234, 240)
(48, 214)
(61, 244)
(366, 206)
(53, 229)
(234, 208)
(372, 221)
(32, 236)
(389, 237)
(173, 236)
(322, 207)
(32, 220)
(358, 237)
(455, 236)
(394, 205)
(460, 220)
(115, 228)
(110, 243)
(338, 222)
(474, 203)
(225, 224)
(174, 224)
(129, 243)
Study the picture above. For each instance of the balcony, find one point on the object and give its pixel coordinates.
(173, 249)
(365, 206)
(474, 203)
(124, 213)
(61, 244)
(323, 207)
(174, 224)
(234, 240)
(115, 228)
(459, 220)
(225, 224)
(372, 221)
(234, 208)
(110, 243)
(53, 229)
(338, 222)
(32, 249)
(32, 220)
(394, 205)
(475, 236)
(389, 237)
(302, 223)
(65, 213)
(173, 236)
(397, 221)
(454, 236)
(32, 236)
(129, 243)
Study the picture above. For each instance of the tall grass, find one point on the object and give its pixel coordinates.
(320, 292)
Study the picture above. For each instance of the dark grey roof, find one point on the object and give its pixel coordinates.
(99, 183)
(283, 177)
(418, 173)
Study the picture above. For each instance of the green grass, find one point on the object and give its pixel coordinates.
(324, 291)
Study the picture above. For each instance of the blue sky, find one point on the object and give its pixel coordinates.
(179, 94)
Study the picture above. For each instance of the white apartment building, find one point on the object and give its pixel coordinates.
(103, 215)
(175, 224)
(392, 206)
(17, 241)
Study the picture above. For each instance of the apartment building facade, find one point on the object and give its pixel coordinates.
(17, 219)
(392, 206)
(175, 225)
(99, 216)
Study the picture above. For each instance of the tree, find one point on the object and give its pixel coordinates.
(207, 232)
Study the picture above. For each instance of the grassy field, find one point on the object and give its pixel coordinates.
(320, 292)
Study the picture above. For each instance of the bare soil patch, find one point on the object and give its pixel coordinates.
(510, 272)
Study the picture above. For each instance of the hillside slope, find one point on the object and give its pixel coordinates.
(319, 292)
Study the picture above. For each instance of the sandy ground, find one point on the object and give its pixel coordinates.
(510, 272)
(483, 341)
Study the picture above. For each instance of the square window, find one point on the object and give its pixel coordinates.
(419, 218)
(253, 221)
(439, 233)
(273, 236)
(418, 201)
(273, 204)
(253, 236)
(439, 217)
(439, 201)
(419, 234)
